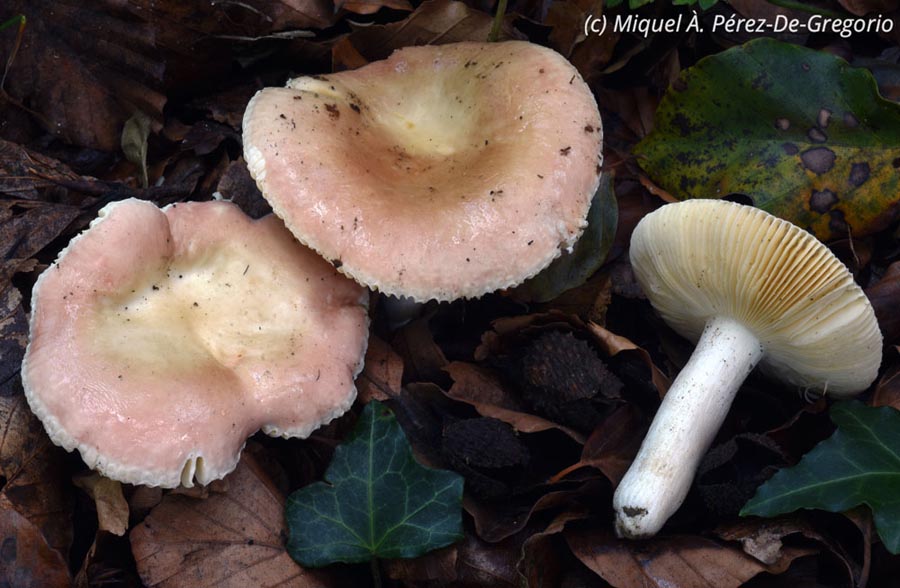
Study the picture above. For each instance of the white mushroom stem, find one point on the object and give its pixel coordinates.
(684, 427)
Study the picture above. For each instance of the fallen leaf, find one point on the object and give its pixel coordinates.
(408, 509)
(887, 391)
(35, 471)
(24, 173)
(423, 360)
(499, 520)
(683, 561)
(764, 540)
(613, 444)
(859, 464)
(540, 564)
(112, 508)
(481, 389)
(372, 6)
(864, 7)
(884, 295)
(237, 186)
(26, 227)
(26, 560)
(234, 539)
(434, 22)
(794, 132)
(382, 375)
(71, 70)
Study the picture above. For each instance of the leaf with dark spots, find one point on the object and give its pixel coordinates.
(671, 561)
(815, 126)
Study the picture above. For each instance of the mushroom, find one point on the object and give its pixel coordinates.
(442, 172)
(748, 288)
(161, 339)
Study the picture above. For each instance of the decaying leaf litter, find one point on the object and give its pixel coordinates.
(463, 376)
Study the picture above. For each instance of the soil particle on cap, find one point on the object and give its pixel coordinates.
(588, 129)
(859, 173)
(333, 112)
(565, 151)
(818, 160)
(822, 200)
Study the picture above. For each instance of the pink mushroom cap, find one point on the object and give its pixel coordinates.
(162, 339)
(442, 172)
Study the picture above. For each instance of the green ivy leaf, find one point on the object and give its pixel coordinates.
(573, 269)
(799, 131)
(859, 464)
(378, 502)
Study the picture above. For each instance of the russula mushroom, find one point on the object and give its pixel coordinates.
(162, 339)
(442, 172)
(748, 288)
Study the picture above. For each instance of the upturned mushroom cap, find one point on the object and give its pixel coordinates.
(442, 172)
(704, 258)
(162, 339)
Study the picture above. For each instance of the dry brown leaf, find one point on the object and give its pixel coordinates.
(230, 540)
(481, 389)
(497, 521)
(613, 444)
(614, 344)
(423, 360)
(372, 6)
(887, 391)
(26, 560)
(382, 375)
(763, 539)
(864, 7)
(540, 565)
(24, 173)
(435, 22)
(83, 70)
(13, 339)
(35, 471)
(686, 562)
(26, 227)
(884, 296)
(112, 508)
